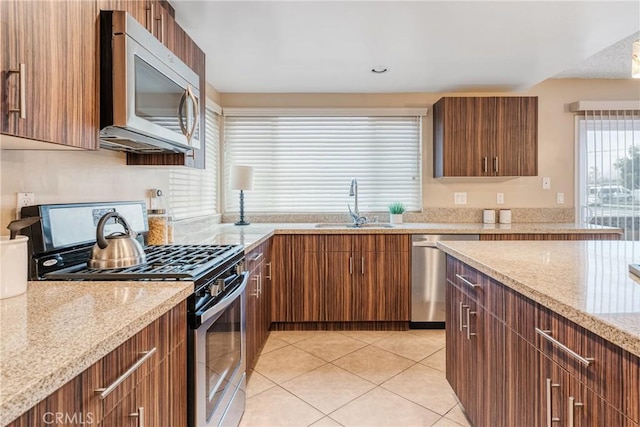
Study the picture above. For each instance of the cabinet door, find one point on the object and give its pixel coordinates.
(55, 44)
(516, 142)
(522, 388)
(336, 283)
(464, 360)
(382, 287)
(457, 144)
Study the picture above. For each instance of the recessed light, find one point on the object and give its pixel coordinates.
(379, 70)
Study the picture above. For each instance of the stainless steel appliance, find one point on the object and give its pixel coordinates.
(62, 244)
(148, 97)
(429, 279)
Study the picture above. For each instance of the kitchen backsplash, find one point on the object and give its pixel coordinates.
(429, 215)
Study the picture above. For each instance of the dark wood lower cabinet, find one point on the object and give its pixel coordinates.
(341, 278)
(158, 386)
(258, 301)
(506, 374)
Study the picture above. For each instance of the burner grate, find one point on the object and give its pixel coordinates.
(168, 262)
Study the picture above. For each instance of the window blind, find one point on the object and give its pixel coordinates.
(193, 192)
(305, 164)
(609, 177)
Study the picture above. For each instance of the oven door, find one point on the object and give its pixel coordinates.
(220, 366)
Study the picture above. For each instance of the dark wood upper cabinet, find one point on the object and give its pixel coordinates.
(485, 136)
(48, 72)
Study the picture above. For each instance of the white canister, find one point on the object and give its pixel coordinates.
(505, 216)
(395, 218)
(13, 266)
(489, 216)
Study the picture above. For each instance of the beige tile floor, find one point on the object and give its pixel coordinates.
(352, 378)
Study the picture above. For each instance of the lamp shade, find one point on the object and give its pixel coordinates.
(241, 177)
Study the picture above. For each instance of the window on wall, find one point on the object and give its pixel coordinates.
(305, 163)
(193, 192)
(609, 171)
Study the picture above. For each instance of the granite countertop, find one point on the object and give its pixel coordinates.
(252, 235)
(56, 330)
(588, 282)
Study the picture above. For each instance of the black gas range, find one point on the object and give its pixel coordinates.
(60, 246)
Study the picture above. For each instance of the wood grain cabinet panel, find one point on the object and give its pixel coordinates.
(158, 385)
(258, 301)
(567, 236)
(485, 136)
(341, 278)
(58, 80)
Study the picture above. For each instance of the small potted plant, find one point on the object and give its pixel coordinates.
(396, 210)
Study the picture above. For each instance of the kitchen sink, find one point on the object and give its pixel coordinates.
(351, 225)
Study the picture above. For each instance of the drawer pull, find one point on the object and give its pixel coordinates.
(586, 361)
(467, 282)
(550, 418)
(461, 319)
(256, 257)
(139, 415)
(104, 392)
(572, 406)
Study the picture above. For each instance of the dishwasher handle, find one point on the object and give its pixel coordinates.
(424, 244)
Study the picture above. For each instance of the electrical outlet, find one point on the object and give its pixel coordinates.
(460, 198)
(500, 199)
(546, 183)
(560, 198)
(24, 199)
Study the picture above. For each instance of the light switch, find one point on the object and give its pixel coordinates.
(460, 198)
(500, 199)
(546, 183)
(560, 198)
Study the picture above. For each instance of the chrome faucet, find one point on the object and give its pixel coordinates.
(355, 214)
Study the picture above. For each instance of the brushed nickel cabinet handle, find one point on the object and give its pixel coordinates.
(268, 276)
(586, 361)
(469, 333)
(484, 165)
(259, 285)
(22, 93)
(467, 282)
(460, 311)
(550, 418)
(256, 257)
(139, 415)
(350, 265)
(571, 412)
(495, 164)
(362, 265)
(104, 392)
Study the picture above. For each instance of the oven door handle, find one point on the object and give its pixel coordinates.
(226, 302)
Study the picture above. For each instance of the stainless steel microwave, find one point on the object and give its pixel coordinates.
(148, 97)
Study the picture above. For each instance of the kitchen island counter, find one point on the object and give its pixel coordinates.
(56, 330)
(587, 282)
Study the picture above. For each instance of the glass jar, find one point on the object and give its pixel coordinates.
(159, 225)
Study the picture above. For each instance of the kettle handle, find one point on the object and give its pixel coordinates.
(102, 242)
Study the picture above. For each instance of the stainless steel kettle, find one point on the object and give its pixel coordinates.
(117, 250)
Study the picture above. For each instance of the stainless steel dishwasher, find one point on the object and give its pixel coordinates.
(429, 279)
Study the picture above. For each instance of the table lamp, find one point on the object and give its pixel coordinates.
(241, 178)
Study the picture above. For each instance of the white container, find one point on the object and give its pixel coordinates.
(395, 218)
(13, 266)
(505, 216)
(489, 216)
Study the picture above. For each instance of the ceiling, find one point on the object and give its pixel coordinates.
(428, 46)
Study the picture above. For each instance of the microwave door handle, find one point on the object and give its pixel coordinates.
(183, 127)
(196, 114)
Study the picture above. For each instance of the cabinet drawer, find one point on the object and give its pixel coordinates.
(479, 287)
(592, 360)
(254, 258)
